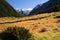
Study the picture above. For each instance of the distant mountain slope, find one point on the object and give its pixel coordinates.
(49, 6)
(24, 12)
(6, 10)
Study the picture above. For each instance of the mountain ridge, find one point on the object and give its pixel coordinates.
(49, 6)
(6, 10)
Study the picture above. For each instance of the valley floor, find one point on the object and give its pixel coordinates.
(39, 25)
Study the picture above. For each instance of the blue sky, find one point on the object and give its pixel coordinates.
(25, 3)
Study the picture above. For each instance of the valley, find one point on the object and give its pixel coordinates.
(49, 24)
(40, 23)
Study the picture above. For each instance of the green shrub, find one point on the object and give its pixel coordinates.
(15, 33)
(38, 38)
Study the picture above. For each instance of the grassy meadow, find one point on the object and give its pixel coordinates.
(41, 27)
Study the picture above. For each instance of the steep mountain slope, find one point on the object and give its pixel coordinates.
(6, 10)
(49, 6)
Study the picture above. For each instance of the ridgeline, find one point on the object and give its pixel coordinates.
(6, 10)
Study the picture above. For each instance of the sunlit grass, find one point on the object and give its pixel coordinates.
(27, 18)
(36, 24)
(54, 36)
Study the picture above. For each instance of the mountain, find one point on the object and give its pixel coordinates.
(6, 10)
(24, 12)
(49, 6)
(35, 10)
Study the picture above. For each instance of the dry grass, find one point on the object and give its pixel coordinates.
(37, 26)
(8, 19)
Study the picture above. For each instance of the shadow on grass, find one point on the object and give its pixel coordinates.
(26, 20)
(58, 21)
(57, 17)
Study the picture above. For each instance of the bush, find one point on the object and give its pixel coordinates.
(15, 33)
(8, 36)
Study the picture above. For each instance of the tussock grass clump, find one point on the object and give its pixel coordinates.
(57, 17)
(15, 33)
(58, 21)
(43, 30)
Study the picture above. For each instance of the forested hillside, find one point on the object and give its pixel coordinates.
(6, 10)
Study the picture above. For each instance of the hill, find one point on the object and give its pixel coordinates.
(49, 6)
(41, 25)
(6, 10)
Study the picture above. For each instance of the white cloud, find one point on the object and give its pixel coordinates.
(29, 9)
(17, 8)
(24, 9)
